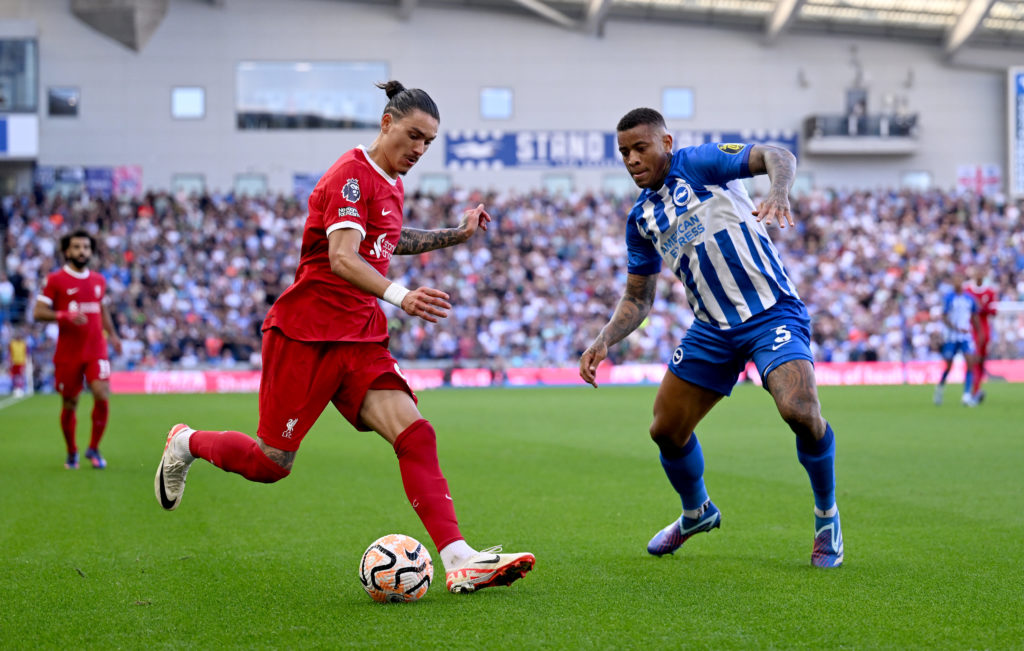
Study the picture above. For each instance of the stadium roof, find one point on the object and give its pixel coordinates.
(949, 24)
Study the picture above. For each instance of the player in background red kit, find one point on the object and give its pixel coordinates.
(325, 340)
(18, 351)
(986, 298)
(74, 297)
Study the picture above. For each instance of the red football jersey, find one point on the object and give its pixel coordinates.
(74, 291)
(319, 306)
(985, 297)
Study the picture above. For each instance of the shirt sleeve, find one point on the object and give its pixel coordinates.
(346, 200)
(641, 257)
(48, 293)
(717, 163)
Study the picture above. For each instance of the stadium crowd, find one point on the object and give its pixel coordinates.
(191, 278)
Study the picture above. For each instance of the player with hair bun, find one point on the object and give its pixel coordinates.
(325, 341)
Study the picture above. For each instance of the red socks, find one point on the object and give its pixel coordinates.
(67, 427)
(425, 486)
(100, 409)
(979, 371)
(68, 422)
(236, 452)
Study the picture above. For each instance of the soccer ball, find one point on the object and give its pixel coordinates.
(396, 568)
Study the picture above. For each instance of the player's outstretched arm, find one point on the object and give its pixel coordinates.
(414, 240)
(426, 303)
(780, 165)
(631, 311)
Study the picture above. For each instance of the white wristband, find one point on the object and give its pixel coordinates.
(395, 294)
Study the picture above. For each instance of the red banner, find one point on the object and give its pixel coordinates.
(827, 374)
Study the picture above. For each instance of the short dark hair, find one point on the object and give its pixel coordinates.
(65, 241)
(402, 100)
(639, 116)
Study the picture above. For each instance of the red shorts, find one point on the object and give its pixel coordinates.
(299, 378)
(67, 376)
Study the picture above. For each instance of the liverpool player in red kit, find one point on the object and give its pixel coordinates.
(74, 297)
(325, 340)
(986, 298)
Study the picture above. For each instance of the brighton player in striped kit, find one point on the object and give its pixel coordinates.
(959, 319)
(695, 216)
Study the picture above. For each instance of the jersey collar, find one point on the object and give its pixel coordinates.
(369, 160)
(81, 275)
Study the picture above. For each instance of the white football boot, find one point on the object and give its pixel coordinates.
(488, 568)
(170, 475)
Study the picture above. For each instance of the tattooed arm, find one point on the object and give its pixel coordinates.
(780, 165)
(415, 240)
(629, 314)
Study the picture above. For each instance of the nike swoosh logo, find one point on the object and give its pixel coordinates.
(73, 290)
(385, 212)
(780, 345)
(164, 502)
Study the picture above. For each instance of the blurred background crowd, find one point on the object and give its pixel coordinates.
(191, 278)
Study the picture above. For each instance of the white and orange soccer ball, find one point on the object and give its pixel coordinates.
(396, 568)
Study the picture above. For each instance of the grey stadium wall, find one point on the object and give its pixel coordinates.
(561, 80)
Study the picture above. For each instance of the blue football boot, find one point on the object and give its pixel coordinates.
(97, 460)
(674, 535)
(828, 539)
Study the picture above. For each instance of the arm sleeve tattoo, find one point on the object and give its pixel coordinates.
(632, 308)
(414, 240)
(781, 168)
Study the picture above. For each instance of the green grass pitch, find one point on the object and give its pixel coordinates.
(932, 500)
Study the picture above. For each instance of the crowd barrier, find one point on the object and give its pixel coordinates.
(827, 374)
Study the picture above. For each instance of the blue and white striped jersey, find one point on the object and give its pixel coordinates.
(958, 308)
(699, 224)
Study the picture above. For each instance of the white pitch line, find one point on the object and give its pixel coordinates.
(13, 400)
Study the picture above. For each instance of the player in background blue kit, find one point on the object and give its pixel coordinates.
(959, 315)
(695, 216)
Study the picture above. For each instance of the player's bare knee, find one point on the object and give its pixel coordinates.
(669, 438)
(277, 462)
(269, 471)
(803, 415)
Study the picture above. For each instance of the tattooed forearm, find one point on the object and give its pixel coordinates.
(781, 167)
(632, 308)
(414, 240)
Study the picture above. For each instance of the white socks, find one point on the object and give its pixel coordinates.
(455, 554)
(831, 513)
